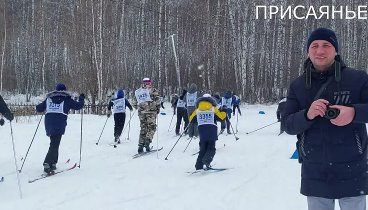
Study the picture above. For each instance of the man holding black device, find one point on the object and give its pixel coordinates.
(327, 108)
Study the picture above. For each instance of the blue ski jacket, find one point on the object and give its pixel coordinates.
(55, 123)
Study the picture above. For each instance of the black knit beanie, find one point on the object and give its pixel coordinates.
(323, 34)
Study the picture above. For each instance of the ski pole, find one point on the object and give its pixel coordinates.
(34, 135)
(102, 131)
(15, 161)
(128, 122)
(157, 135)
(236, 138)
(130, 114)
(81, 138)
(176, 142)
(262, 127)
(188, 144)
(169, 129)
(237, 120)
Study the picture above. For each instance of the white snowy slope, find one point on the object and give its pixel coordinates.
(260, 177)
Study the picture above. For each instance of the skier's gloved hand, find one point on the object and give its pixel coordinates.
(223, 108)
(82, 97)
(9, 116)
(108, 114)
(2, 121)
(158, 111)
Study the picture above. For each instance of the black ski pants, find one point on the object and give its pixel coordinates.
(53, 153)
(236, 107)
(207, 150)
(119, 119)
(181, 114)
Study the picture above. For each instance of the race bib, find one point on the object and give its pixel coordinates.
(206, 117)
(54, 108)
(180, 103)
(119, 105)
(226, 102)
(191, 99)
(142, 95)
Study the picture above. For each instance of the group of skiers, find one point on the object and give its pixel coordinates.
(185, 104)
(200, 113)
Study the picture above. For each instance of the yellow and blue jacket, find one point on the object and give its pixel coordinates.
(206, 115)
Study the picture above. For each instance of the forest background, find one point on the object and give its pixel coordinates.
(96, 46)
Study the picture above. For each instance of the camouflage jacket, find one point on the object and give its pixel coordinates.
(150, 106)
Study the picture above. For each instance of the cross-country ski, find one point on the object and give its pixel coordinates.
(43, 176)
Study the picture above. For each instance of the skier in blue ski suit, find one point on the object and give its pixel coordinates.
(57, 105)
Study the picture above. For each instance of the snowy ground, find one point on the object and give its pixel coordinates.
(262, 177)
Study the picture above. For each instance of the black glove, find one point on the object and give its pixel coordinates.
(108, 114)
(9, 116)
(158, 111)
(81, 97)
(2, 121)
(184, 92)
(278, 115)
(223, 108)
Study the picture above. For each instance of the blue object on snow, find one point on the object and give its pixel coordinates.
(261, 112)
(162, 113)
(295, 155)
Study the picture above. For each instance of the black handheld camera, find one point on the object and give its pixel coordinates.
(331, 113)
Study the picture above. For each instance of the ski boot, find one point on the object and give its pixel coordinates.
(228, 131)
(148, 149)
(47, 169)
(206, 166)
(53, 166)
(140, 149)
(117, 140)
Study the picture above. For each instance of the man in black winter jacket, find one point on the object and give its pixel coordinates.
(330, 126)
(4, 110)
